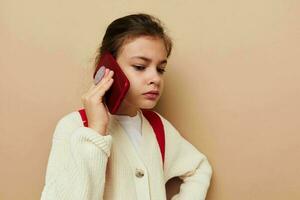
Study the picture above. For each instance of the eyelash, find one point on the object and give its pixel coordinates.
(137, 67)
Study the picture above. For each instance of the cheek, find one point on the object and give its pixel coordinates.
(136, 85)
(161, 88)
(134, 79)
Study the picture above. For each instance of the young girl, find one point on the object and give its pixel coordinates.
(117, 157)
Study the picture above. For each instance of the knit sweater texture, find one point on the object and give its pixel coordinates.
(84, 165)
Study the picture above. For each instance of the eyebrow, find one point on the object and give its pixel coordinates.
(148, 59)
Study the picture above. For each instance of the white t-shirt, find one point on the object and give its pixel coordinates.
(132, 127)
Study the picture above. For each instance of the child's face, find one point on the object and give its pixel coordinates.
(147, 77)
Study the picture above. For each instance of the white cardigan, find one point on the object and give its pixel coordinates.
(84, 165)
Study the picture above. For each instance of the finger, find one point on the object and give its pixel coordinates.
(107, 78)
(103, 82)
(94, 88)
(104, 79)
(101, 91)
(105, 86)
(99, 74)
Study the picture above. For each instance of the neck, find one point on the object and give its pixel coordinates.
(127, 110)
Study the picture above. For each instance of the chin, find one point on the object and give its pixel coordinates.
(148, 105)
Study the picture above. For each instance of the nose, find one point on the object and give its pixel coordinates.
(154, 77)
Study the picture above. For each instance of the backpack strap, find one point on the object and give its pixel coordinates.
(153, 119)
(157, 125)
(83, 117)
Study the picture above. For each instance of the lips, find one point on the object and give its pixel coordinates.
(155, 92)
(151, 95)
(152, 92)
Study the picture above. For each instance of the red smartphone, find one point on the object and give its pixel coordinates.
(116, 93)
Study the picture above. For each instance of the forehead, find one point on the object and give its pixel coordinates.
(146, 46)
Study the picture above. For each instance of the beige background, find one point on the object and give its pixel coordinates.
(232, 87)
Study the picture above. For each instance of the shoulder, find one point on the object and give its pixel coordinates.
(163, 119)
(71, 119)
(170, 129)
(67, 123)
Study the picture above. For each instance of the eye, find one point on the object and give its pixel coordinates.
(161, 71)
(141, 68)
(138, 67)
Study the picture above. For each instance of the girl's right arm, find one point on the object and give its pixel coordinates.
(77, 163)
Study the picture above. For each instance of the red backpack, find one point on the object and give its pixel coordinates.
(153, 119)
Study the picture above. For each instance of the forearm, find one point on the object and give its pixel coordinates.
(195, 183)
(76, 168)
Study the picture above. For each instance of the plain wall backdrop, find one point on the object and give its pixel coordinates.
(232, 87)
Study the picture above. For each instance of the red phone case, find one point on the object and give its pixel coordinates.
(116, 93)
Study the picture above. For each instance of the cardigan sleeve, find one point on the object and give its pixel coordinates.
(183, 160)
(77, 163)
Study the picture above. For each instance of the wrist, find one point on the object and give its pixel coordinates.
(101, 130)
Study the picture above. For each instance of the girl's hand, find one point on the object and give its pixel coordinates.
(94, 105)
